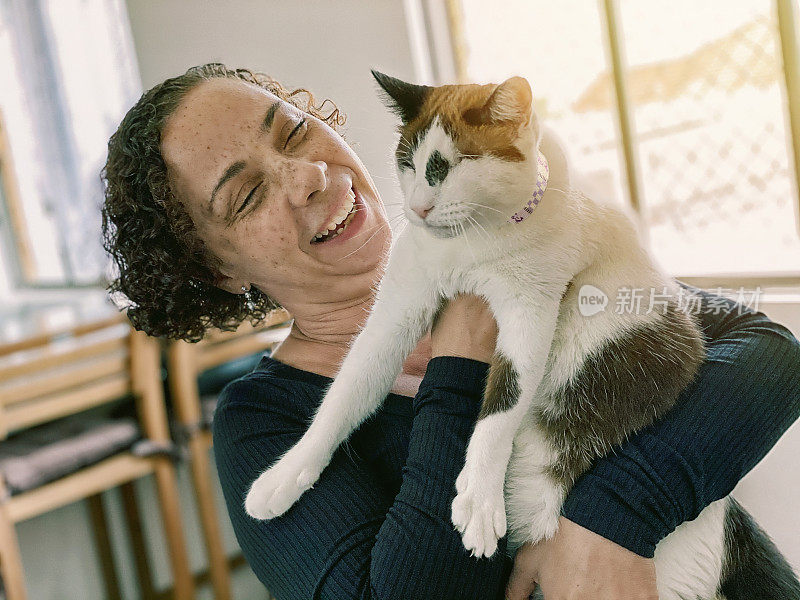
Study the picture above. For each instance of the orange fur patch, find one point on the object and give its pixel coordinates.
(473, 140)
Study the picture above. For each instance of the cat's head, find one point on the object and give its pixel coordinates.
(466, 153)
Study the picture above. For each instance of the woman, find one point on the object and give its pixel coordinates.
(217, 181)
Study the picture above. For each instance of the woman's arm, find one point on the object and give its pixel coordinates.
(746, 395)
(344, 539)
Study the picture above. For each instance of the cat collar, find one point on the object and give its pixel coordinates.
(541, 185)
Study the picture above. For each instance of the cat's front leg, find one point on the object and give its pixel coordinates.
(394, 327)
(525, 334)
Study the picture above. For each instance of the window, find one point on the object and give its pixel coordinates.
(67, 76)
(707, 103)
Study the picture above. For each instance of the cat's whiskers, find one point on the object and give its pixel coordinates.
(483, 206)
(466, 237)
(488, 237)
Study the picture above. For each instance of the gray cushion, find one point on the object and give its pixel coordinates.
(49, 452)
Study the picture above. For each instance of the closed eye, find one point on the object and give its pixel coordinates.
(294, 131)
(249, 197)
(404, 162)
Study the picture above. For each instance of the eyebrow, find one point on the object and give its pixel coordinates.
(269, 117)
(237, 167)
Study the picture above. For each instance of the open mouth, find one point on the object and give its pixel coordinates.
(339, 222)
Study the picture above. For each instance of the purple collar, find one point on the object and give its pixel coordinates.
(541, 185)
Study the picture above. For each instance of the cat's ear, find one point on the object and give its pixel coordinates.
(405, 99)
(510, 101)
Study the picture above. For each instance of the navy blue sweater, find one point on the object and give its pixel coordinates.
(377, 523)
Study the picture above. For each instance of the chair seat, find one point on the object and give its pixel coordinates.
(46, 453)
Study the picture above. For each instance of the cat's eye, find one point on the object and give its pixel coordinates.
(404, 163)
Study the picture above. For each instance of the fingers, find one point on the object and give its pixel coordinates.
(522, 581)
(520, 589)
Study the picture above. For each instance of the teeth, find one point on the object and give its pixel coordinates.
(339, 229)
(336, 223)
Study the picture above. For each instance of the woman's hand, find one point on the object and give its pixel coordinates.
(465, 327)
(578, 564)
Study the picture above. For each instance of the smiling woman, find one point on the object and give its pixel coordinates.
(170, 277)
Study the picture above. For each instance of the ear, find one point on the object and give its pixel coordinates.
(403, 98)
(229, 284)
(511, 101)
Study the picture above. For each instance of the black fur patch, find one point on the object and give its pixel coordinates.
(621, 388)
(405, 99)
(753, 568)
(502, 387)
(437, 168)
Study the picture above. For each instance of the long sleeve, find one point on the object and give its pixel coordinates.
(344, 539)
(746, 395)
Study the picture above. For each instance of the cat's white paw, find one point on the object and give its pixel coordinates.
(479, 515)
(279, 487)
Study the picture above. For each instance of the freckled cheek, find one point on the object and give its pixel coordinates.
(273, 237)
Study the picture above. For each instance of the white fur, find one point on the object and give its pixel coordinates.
(522, 270)
(689, 560)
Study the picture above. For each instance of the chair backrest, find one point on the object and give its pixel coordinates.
(186, 360)
(59, 373)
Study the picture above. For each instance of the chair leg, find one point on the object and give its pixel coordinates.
(97, 516)
(204, 493)
(133, 520)
(167, 486)
(11, 560)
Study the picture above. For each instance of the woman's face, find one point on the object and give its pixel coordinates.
(260, 179)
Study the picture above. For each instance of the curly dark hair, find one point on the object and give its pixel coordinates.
(163, 268)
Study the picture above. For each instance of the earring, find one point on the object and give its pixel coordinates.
(244, 289)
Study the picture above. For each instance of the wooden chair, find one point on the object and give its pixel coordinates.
(186, 362)
(47, 380)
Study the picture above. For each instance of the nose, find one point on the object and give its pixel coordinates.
(311, 178)
(422, 211)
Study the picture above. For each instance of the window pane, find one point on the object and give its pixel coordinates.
(707, 93)
(67, 75)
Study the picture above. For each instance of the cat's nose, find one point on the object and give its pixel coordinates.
(422, 212)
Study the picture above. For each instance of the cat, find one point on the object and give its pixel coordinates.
(489, 191)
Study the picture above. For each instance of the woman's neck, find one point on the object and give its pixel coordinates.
(316, 356)
(325, 356)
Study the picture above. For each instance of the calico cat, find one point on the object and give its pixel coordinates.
(488, 188)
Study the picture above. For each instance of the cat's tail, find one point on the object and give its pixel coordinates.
(753, 568)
